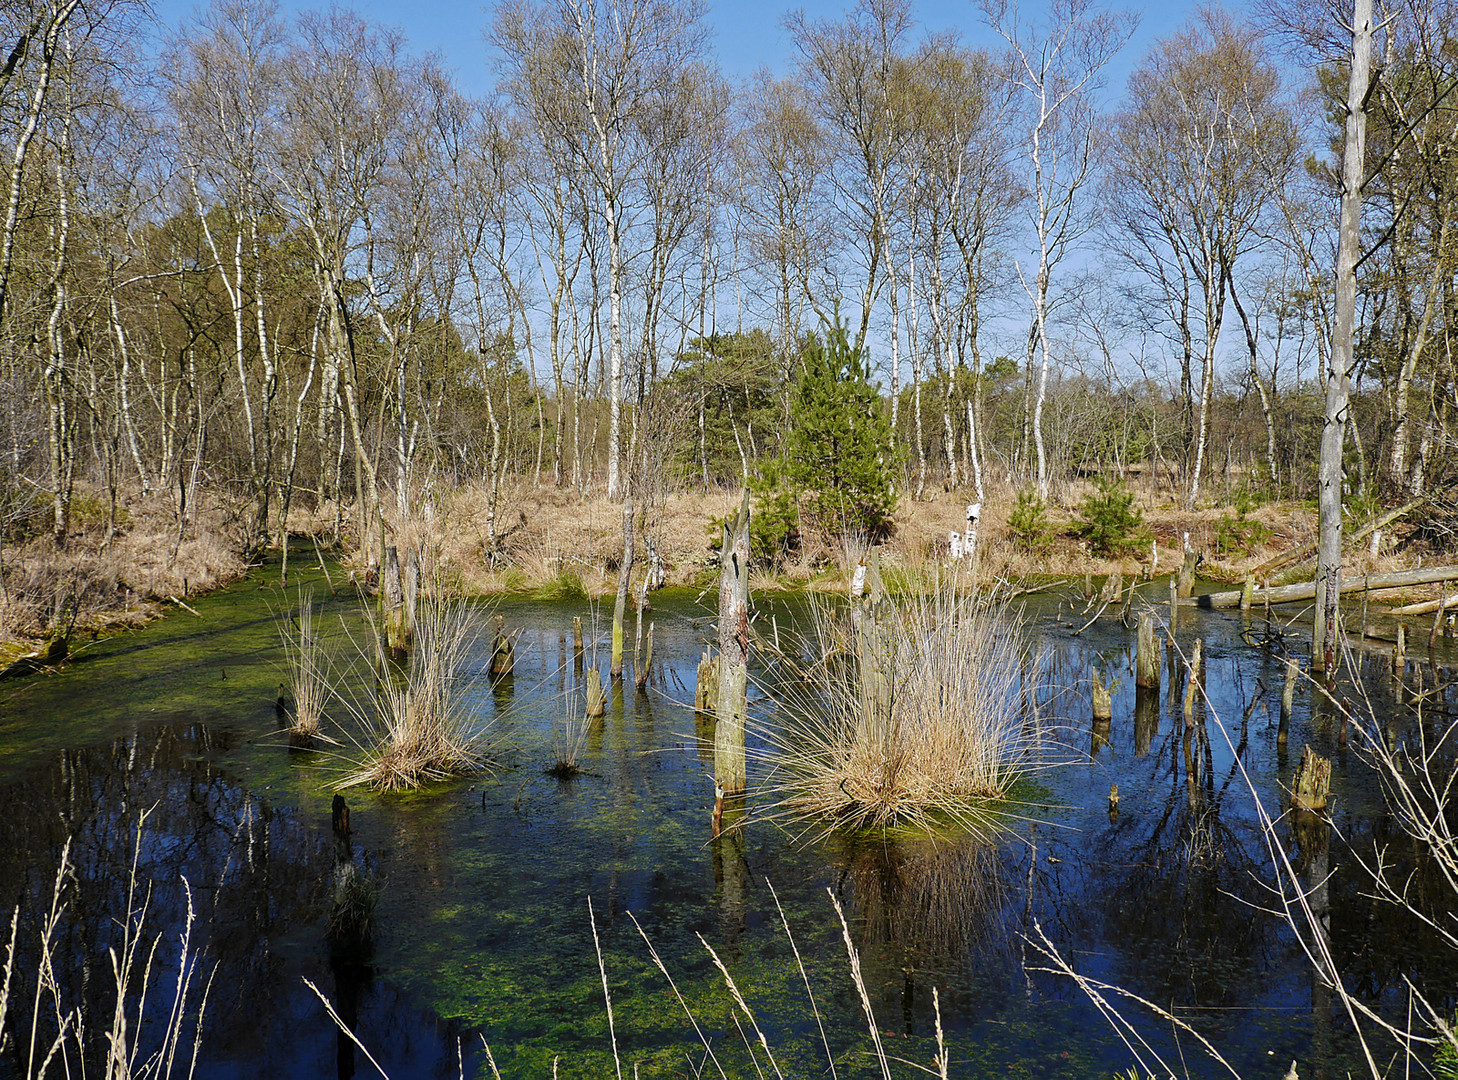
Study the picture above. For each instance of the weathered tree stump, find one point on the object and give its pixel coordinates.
(1192, 683)
(1312, 783)
(1186, 583)
(1103, 697)
(1146, 659)
(730, 712)
(1288, 695)
(706, 688)
(1399, 654)
(577, 635)
(644, 663)
(503, 651)
(1247, 592)
(596, 698)
(1174, 604)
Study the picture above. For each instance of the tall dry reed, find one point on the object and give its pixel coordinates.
(911, 715)
(309, 668)
(61, 1039)
(417, 727)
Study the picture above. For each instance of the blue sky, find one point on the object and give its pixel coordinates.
(747, 33)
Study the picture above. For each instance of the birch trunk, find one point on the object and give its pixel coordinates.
(1338, 387)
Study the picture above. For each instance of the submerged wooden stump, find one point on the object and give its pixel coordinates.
(1312, 783)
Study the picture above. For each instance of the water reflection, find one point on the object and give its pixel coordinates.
(260, 880)
(482, 911)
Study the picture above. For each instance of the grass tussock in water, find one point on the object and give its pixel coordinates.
(417, 728)
(911, 713)
(308, 666)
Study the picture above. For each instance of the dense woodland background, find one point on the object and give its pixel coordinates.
(287, 265)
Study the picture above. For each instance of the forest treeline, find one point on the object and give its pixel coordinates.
(287, 259)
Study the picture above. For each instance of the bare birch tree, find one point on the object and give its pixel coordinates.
(1057, 66)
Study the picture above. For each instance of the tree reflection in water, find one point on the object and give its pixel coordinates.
(261, 882)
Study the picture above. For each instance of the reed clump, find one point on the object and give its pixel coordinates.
(417, 729)
(308, 665)
(910, 713)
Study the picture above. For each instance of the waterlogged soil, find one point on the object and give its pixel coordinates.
(493, 897)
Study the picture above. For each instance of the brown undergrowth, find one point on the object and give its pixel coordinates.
(99, 582)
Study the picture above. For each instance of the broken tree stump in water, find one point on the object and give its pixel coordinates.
(1146, 660)
(706, 688)
(1186, 584)
(1288, 694)
(596, 698)
(1312, 783)
(730, 711)
(643, 664)
(1103, 697)
(1192, 683)
(577, 635)
(503, 652)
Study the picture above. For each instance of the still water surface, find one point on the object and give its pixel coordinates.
(481, 926)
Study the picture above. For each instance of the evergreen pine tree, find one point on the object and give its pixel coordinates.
(840, 450)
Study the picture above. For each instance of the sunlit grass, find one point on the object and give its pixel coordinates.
(308, 667)
(944, 737)
(416, 728)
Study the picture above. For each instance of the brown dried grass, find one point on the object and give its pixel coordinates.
(956, 737)
(416, 727)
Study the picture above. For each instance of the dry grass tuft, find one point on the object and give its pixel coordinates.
(417, 729)
(949, 740)
(309, 668)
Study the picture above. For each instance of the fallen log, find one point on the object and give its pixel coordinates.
(1308, 551)
(1427, 607)
(1286, 594)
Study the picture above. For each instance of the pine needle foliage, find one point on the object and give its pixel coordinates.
(840, 452)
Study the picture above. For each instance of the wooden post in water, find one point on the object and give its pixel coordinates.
(706, 687)
(577, 635)
(1146, 659)
(1103, 698)
(625, 574)
(643, 664)
(503, 652)
(729, 765)
(1247, 592)
(1192, 683)
(1187, 573)
(1174, 604)
(1312, 782)
(1288, 694)
(596, 698)
(1399, 654)
(1438, 615)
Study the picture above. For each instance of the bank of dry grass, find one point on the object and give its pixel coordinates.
(120, 580)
